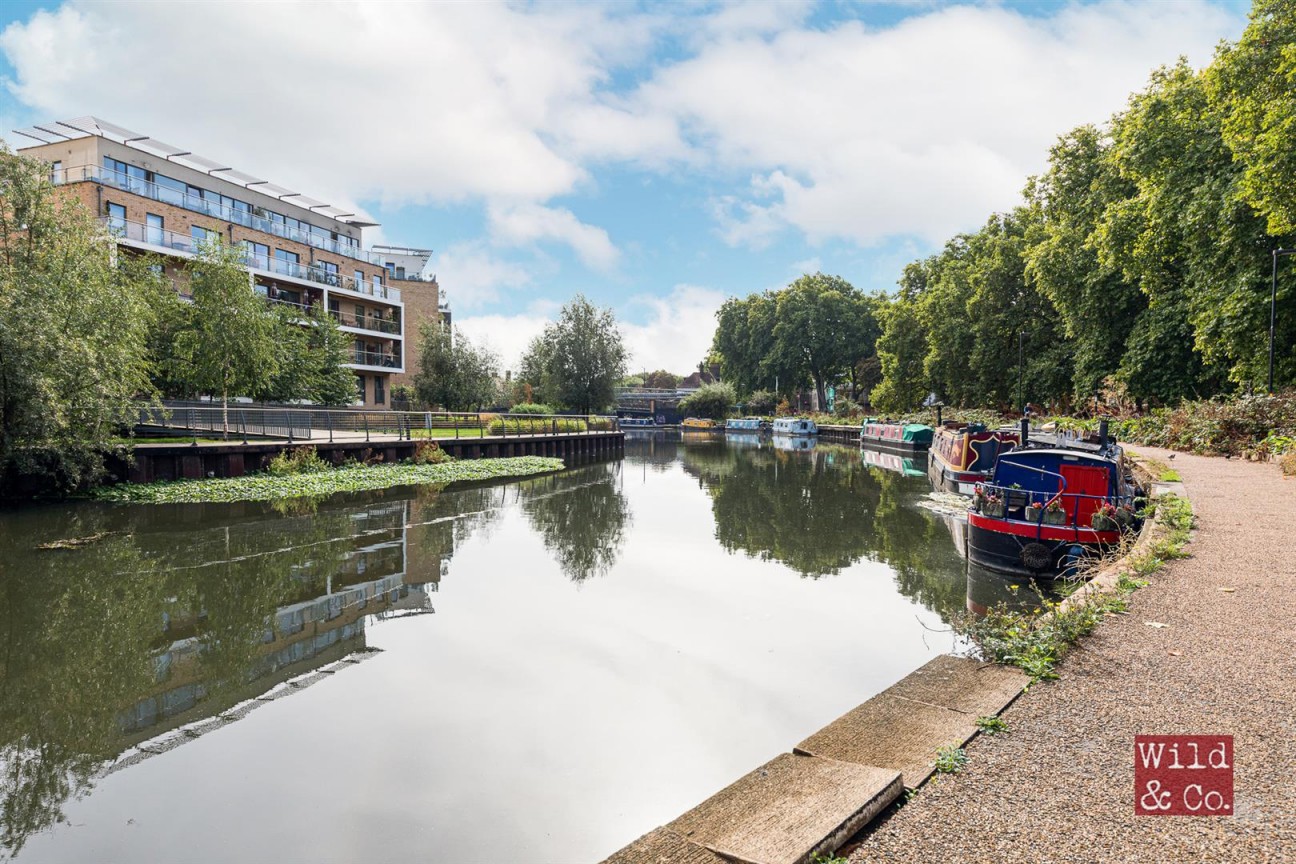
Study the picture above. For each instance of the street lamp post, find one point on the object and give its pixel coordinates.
(1273, 309)
(1021, 369)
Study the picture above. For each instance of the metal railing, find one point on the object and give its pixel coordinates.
(263, 264)
(316, 424)
(376, 358)
(374, 323)
(1015, 499)
(246, 218)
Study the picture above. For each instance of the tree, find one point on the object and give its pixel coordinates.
(902, 347)
(311, 350)
(230, 343)
(814, 328)
(1253, 85)
(1097, 302)
(578, 359)
(452, 372)
(713, 401)
(661, 380)
(74, 321)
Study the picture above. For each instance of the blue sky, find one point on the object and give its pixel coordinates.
(656, 157)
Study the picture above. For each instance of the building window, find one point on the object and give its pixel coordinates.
(117, 219)
(359, 351)
(154, 233)
(330, 273)
(359, 281)
(56, 172)
(201, 236)
(360, 387)
(380, 393)
(256, 255)
(286, 262)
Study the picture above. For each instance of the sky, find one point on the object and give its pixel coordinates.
(656, 157)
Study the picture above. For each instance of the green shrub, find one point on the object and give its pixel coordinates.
(846, 408)
(524, 425)
(712, 401)
(531, 408)
(762, 402)
(429, 453)
(298, 460)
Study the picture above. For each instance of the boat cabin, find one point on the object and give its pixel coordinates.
(795, 426)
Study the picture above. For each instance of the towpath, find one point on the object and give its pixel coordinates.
(1060, 787)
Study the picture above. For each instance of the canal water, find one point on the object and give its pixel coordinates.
(529, 671)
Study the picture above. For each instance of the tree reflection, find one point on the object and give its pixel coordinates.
(582, 517)
(821, 510)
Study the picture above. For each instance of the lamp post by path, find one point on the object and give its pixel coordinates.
(1273, 307)
(1021, 369)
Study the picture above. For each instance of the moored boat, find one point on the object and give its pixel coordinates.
(746, 424)
(636, 422)
(964, 454)
(797, 427)
(697, 424)
(1046, 510)
(896, 436)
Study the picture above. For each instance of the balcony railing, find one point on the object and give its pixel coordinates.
(257, 263)
(376, 358)
(367, 322)
(246, 218)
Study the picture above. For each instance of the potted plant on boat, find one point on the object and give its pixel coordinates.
(1104, 518)
(1033, 512)
(1125, 516)
(1055, 513)
(988, 504)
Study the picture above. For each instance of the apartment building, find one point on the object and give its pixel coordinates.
(162, 199)
(422, 297)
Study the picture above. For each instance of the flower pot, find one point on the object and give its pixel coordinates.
(1103, 523)
(1055, 517)
(994, 511)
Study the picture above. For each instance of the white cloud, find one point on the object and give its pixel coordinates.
(528, 223)
(403, 102)
(473, 277)
(845, 130)
(917, 129)
(678, 332)
(506, 335)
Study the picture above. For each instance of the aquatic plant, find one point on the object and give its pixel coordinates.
(354, 478)
(296, 460)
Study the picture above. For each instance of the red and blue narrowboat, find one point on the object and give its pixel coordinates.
(909, 437)
(964, 454)
(1046, 509)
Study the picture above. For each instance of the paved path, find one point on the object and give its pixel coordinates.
(1060, 787)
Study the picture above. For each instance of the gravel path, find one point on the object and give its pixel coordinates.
(1059, 788)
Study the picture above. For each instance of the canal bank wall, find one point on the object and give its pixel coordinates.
(151, 462)
(838, 781)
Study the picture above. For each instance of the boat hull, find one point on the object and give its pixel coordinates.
(1021, 548)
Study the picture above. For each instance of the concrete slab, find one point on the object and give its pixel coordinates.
(893, 733)
(789, 809)
(902, 727)
(962, 684)
(663, 846)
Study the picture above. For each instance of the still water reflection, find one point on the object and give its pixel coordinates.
(609, 646)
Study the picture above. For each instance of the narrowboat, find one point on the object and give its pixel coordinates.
(1047, 509)
(746, 424)
(797, 427)
(895, 436)
(636, 422)
(697, 424)
(964, 454)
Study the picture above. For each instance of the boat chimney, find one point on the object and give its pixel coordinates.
(938, 415)
(1025, 431)
(1102, 432)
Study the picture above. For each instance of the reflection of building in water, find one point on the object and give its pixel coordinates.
(324, 632)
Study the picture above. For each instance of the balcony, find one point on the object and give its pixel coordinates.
(170, 241)
(373, 323)
(376, 359)
(246, 218)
